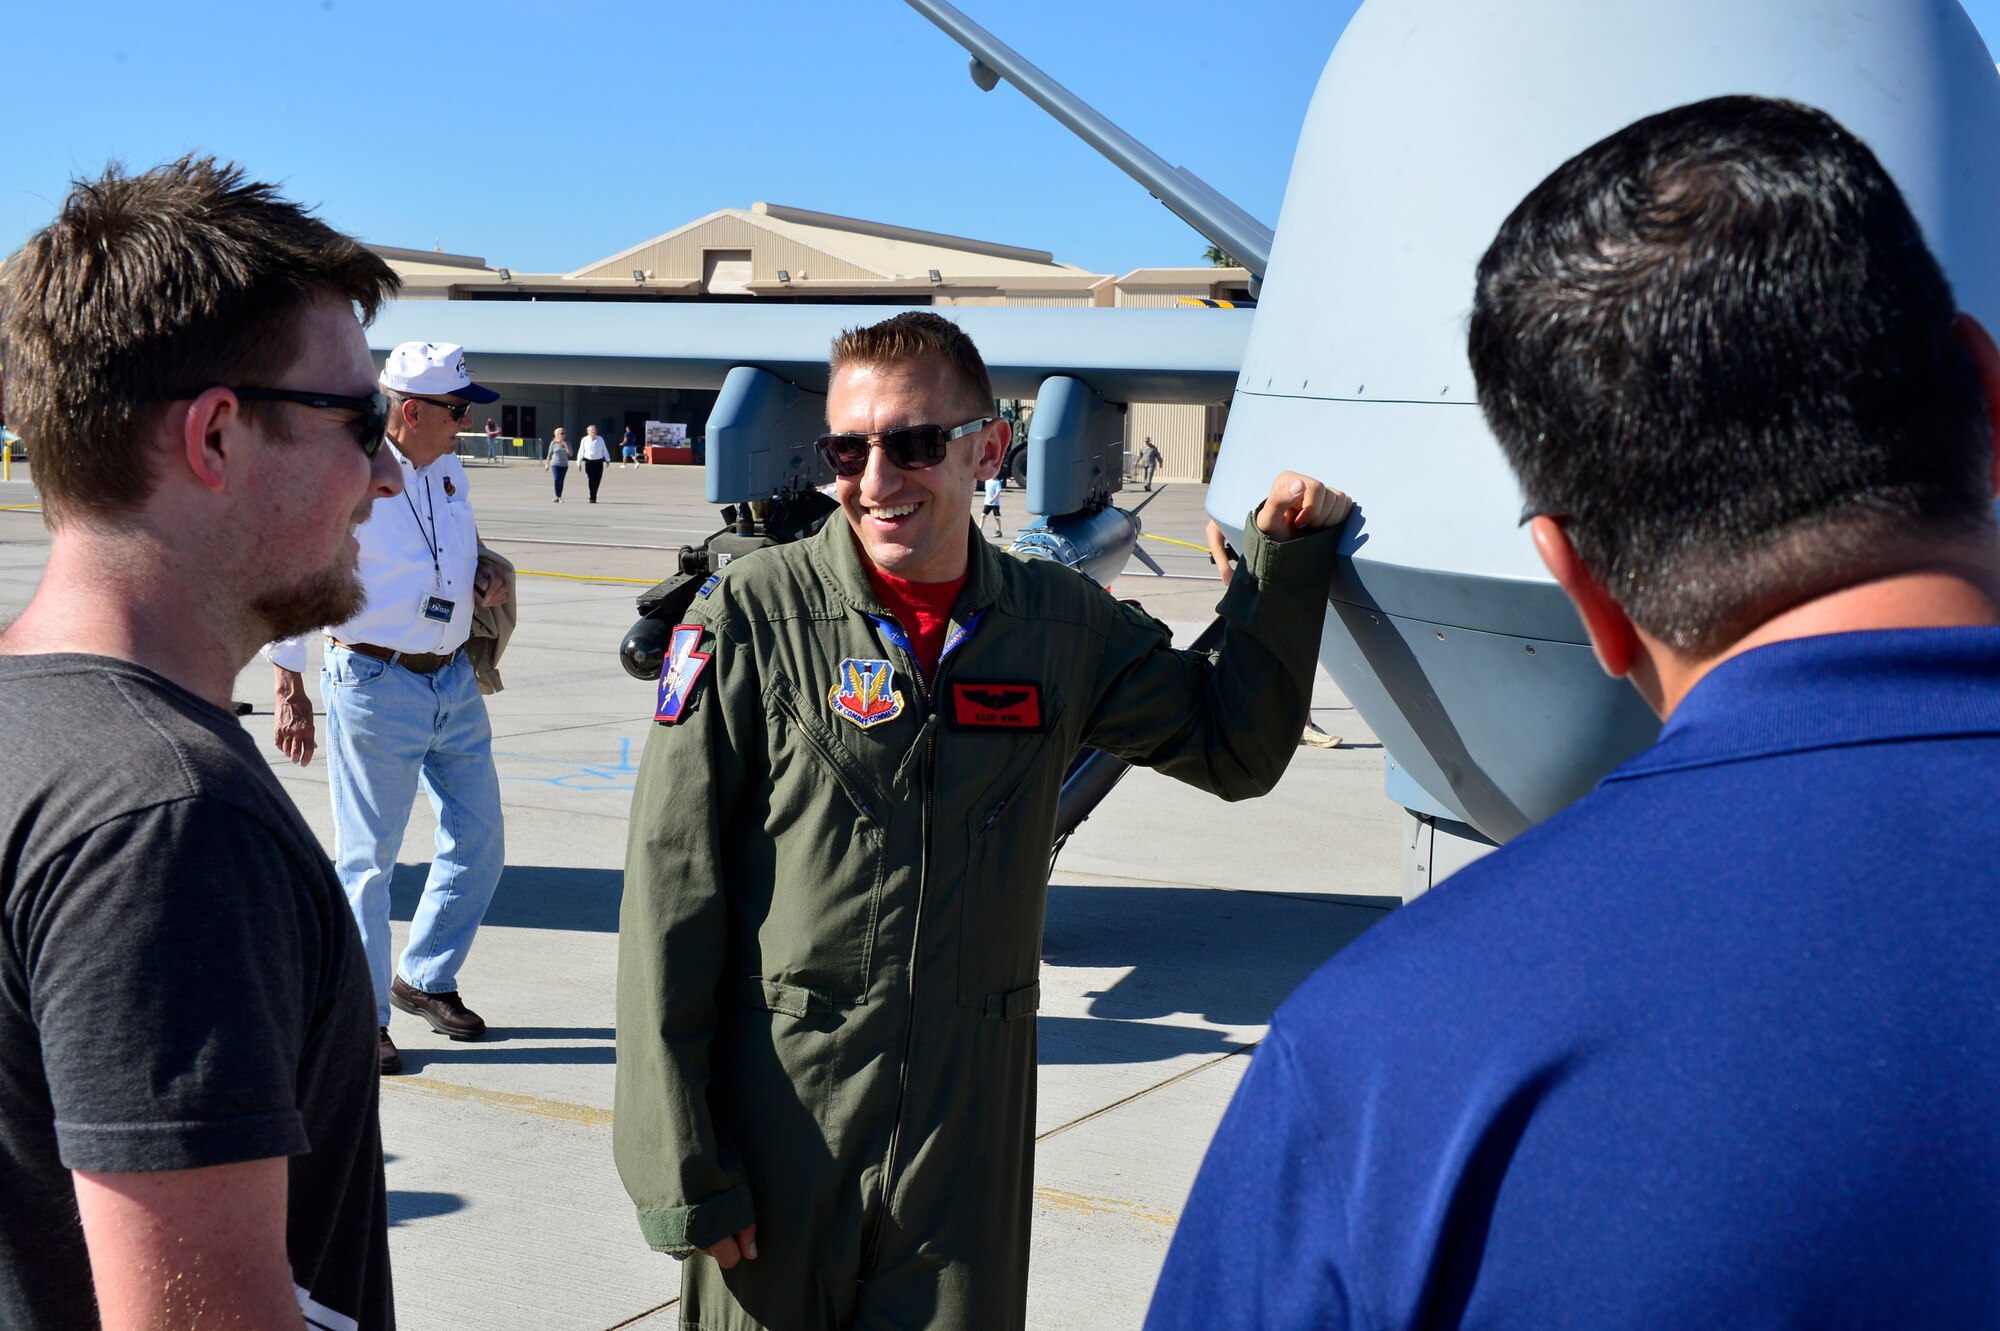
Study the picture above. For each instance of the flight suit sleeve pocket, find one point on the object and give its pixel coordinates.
(792, 1000)
(1023, 1002)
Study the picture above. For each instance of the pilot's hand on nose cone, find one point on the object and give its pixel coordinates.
(1299, 504)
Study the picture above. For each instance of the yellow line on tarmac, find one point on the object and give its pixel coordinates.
(584, 577)
(1077, 1203)
(20, 508)
(1171, 541)
(590, 1116)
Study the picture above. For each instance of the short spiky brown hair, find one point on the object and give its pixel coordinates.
(918, 335)
(151, 288)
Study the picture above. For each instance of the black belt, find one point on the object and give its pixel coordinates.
(422, 663)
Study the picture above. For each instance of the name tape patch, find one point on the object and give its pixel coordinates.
(994, 705)
(677, 678)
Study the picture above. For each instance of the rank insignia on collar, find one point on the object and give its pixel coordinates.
(709, 586)
(677, 678)
(450, 490)
(866, 693)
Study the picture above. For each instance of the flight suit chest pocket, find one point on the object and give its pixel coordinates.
(1003, 893)
(823, 826)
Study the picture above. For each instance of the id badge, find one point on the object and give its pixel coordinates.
(439, 609)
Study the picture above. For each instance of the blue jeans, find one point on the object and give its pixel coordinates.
(389, 730)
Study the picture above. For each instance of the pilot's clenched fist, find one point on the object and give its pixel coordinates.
(1299, 504)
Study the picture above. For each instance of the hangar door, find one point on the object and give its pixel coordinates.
(725, 272)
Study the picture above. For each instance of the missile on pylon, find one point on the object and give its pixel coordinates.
(1096, 543)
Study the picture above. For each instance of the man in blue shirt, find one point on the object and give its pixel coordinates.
(1719, 1045)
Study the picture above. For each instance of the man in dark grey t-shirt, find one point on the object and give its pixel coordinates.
(188, 1131)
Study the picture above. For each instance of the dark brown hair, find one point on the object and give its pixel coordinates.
(151, 288)
(1716, 345)
(918, 335)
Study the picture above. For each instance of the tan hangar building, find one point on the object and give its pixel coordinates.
(769, 253)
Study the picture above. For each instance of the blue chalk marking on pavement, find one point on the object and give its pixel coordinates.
(594, 777)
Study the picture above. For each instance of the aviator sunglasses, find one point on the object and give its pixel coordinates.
(374, 410)
(911, 447)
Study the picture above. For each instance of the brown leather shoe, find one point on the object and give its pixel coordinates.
(447, 1016)
(386, 1054)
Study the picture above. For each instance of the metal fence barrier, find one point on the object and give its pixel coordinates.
(531, 448)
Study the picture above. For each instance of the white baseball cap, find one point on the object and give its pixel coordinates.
(432, 369)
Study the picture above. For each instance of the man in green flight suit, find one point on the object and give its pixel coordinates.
(832, 923)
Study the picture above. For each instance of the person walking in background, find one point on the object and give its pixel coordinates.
(558, 460)
(492, 440)
(628, 448)
(1149, 461)
(992, 509)
(595, 453)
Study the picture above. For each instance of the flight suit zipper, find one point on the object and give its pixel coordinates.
(870, 1249)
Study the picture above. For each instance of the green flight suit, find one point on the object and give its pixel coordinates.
(831, 933)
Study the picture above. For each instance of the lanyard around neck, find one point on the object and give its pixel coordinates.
(432, 542)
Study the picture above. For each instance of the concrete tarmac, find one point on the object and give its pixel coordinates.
(1176, 924)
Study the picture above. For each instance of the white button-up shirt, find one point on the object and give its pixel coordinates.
(416, 545)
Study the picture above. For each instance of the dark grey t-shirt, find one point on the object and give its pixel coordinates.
(181, 985)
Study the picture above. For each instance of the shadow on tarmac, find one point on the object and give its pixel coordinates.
(1228, 957)
(407, 1206)
(531, 896)
(1080, 1041)
(502, 1034)
(486, 1053)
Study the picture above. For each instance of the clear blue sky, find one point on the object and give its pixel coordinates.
(544, 140)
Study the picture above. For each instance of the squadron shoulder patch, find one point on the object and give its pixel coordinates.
(994, 705)
(677, 678)
(866, 694)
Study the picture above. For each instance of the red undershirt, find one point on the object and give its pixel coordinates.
(922, 608)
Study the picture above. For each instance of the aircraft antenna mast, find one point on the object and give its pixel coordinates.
(1185, 194)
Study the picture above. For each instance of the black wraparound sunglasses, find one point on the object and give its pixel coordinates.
(374, 409)
(911, 447)
(457, 409)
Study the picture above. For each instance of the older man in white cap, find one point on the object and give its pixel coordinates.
(403, 707)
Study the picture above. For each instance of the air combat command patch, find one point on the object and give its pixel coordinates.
(866, 693)
(677, 679)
